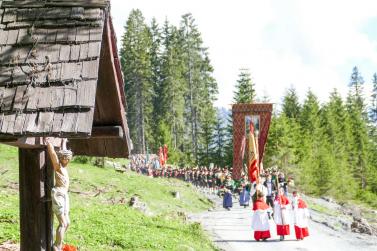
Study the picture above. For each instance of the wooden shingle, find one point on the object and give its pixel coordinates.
(19, 123)
(65, 52)
(82, 34)
(70, 95)
(71, 71)
(12, 37)
(69, 122)
(84, 49)
(86, 93)
(94, 49)
(7, 100)
(89, 69)
(96, 33)
(9, 15)
(3, 36)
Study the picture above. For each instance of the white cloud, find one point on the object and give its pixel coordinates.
(293, 42)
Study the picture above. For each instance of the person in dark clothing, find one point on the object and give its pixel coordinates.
(283, 183)
(271, 190)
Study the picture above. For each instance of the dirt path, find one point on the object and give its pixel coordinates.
(231, 230)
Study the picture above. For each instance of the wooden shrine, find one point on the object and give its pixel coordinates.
(262, 113)
(60, 76)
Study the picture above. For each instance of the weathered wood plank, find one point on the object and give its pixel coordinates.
(77, 13)
(12, 37)
(72, 34)
(84, 49)
(57, 97)
(33, 98)
(45, 121)
(96, 33)
(62, 35)
(28, 14)
(11, 121)
(5, 75)
(40, 34)
(24, 37)
(19, 74)
(93, 14)
(85, 121)
(51, 35)
(90, 69)
(71, 71)
(52, 52)
(69, 122)
(44, 98)
(19, 123)
(65, 52)
(70, 95)
(30, 125)
(82, 34)
(20, 92)
(6, 121)
(94, 49)
(75, 52)
(18, 25)
(3, 36)
(57, 122)
(9, 15)
(86, 93)
(8, 98)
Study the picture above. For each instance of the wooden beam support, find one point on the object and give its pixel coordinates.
(107, 132)
(36, 218)
(98, 132)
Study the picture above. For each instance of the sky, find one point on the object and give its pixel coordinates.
(292, 43)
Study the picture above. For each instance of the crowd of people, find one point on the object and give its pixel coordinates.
(268, 194)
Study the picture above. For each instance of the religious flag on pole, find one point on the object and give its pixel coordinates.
(252, 156)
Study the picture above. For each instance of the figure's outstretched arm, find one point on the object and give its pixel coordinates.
(51, 152)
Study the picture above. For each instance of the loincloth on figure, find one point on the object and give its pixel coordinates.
(60, 201)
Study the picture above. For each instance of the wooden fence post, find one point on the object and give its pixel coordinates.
(36, 218)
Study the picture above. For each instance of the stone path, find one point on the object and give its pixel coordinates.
(231, 231)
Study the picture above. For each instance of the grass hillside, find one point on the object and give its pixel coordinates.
(100, 216)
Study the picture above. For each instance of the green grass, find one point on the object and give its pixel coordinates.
(100, 220)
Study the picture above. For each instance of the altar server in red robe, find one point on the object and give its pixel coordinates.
(282, 214)
(301, 215)
(260, 219)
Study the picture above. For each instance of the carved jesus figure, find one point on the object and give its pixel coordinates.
(59, 194)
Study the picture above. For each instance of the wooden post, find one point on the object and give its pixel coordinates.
(36, 218)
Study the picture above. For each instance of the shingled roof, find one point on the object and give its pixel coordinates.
(60, 74)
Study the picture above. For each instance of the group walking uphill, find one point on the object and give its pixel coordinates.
(268, 194)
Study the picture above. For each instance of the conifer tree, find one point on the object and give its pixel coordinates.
(291, 105)
(137, 70)
(245, 90)
(373, 109)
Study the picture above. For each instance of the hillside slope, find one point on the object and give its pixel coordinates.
(100, 215)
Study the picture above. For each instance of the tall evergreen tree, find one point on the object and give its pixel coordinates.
(173, 88)
(245, 90)
(291, 105)
(373, 109)
(338, 135)
(137, 70)
(356, 88)
(156, 78)
(219, 139)
(201, 87)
